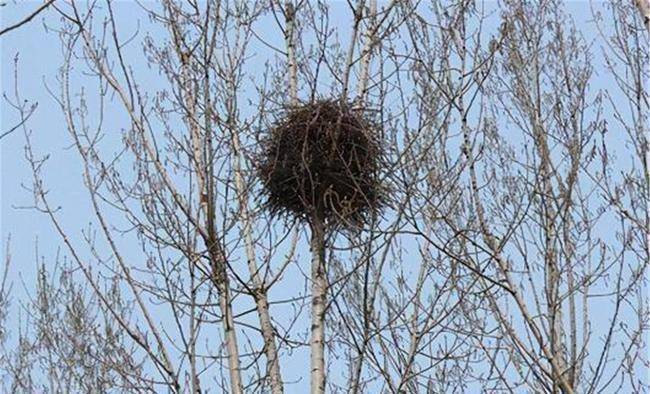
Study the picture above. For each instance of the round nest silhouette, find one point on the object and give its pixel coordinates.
(320, 161)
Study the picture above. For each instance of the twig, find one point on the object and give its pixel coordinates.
(28, 18)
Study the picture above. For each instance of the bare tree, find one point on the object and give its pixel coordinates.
(511, 254)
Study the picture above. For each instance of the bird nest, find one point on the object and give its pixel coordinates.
(321, 161)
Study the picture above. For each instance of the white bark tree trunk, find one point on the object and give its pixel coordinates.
(229, 332)
(319, 291)
(218, 259)
(260, 294)
(290, 13)
(366, 53)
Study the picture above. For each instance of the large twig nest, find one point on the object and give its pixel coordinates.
(320, 161)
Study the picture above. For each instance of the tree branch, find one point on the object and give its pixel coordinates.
(31, 16)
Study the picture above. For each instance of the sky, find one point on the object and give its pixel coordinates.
(38, 52)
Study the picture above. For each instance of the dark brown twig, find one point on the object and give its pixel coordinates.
(28, 18)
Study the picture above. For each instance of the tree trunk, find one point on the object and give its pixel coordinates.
(319, 291)
(220, 280)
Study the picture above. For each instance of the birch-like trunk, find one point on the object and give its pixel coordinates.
(259, 287)
(318, 299)
(290, 14)
(220, 278)
(319, 281)
(204, 178)
(366, 53)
